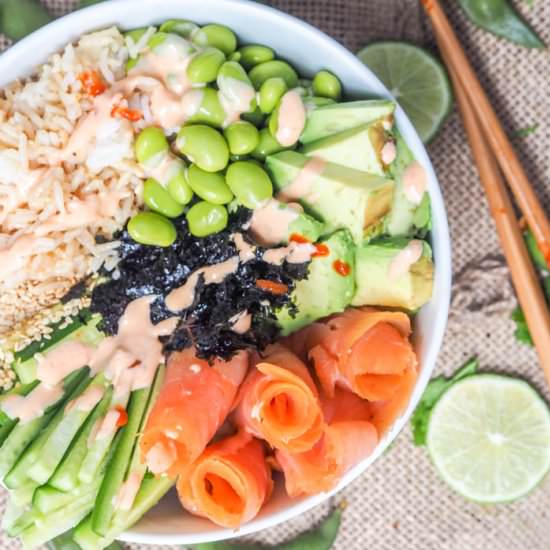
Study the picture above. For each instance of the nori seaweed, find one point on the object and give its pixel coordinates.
(146, 270)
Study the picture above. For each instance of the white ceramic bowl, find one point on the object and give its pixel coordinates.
(309, 50)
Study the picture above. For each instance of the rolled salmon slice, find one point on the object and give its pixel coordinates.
(366, 351)
(348, 438)
(229, 482)
(279, 402)
(193, 403)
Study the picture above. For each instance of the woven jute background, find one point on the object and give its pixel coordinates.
(400, 503)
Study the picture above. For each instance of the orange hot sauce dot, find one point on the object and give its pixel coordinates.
(272, 286)
(321, 251)
(297, 238)
(133, 115)
(92, 83)
(342, 268)
(122, 416)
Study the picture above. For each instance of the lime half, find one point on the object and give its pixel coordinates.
(416, 79)
(489, 437)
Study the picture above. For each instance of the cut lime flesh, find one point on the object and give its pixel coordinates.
(416, 79)
(489, 438)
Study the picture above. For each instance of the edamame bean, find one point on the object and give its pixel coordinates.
(271, 92)
(242, 137)
(149, 145)
(160, 200)
(249, 182)
(325, 84)
(135, 34)
(157, 39)
(235, 56)
(209, 186)
(206, 219)
(152, 229)
(269, 69)
(178, 185)
(204, 146)
(254, 54)
(204, 67)
(211, 111)
(218, 36)
(235, 87)
(268, 145)
(179, 26)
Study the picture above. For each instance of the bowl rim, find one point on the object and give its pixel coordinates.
(86, 20)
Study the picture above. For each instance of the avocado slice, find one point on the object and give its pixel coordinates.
(341, 197)
(338, 117)
(358, 148)
(406, 218)
(325, 291)
(374, 284)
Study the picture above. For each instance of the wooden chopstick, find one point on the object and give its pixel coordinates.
(522, 270)
(494, 133)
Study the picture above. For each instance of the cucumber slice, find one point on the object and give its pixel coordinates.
(23, 434)
(6, 423)
(19, 475)
(65, 477)
(99, 449)
(61, 438)
(118, 466)
(151, 491)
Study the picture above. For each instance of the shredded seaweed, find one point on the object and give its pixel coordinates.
(149, 270)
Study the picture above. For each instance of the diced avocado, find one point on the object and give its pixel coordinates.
(338, 117)
(328, 288)
(341, 197)
(358, 148)
(375, 286)
(405, 218)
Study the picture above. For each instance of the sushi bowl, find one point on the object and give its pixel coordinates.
(309, 50)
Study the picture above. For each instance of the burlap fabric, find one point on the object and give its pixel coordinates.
(400, 503)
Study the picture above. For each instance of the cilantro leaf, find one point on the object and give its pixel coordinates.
(435, 389)
(524, 132)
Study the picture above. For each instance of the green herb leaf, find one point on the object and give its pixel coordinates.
(524, 132)
(435, 389)
(534, 251)
(501, 19)
(320, 538)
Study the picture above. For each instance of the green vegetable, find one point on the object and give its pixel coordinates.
(218, 36)
(536, 254)
(242, 137)
(179, 26)
(211, 111)
(118, 465)
(152, 229)
(500, 18)
(231, 79)
(19, 18)
(150, 144)
(210, 186)
(135, 34)
(271, 91)
(205, 219)
(204, 146)
(160, 200)
(268, 145)
(204, 67)
(325, 84)
(250, 183)
(255, 117)
(435, 389)
(254, 54)
(270, 69)
(321, 538)
(178, 186)
(524, 132)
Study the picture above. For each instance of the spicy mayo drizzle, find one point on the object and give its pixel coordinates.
(302, 186)
(402, 262)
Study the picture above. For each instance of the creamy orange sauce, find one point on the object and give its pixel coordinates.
(235, 97)
(108, 425)
(270, 223)
(32, 405)
(388, 153)
(88, 400)
(241, 322)
(170, 110)
(247, 251)
(294, 253)
(182, 297)
(55, 365)
(415, 182)
(302, 186)
(129, 490)
(160, 457)
(401, 264)
(291, 120)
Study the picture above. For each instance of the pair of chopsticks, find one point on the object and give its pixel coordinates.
(492, 150)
